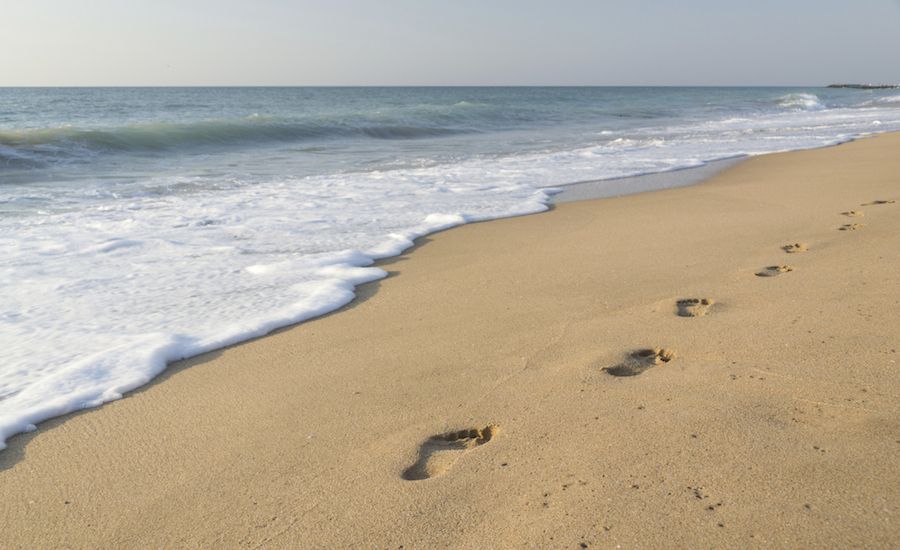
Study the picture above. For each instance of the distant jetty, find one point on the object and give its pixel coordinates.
(865, 86)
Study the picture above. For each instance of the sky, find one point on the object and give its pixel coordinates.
(448, 42)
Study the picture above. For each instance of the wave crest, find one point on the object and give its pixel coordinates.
(801, 102)
(35, 145)
(889, 101)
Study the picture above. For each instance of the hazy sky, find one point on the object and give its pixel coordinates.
(448, 42)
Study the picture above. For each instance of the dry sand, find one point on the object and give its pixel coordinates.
(767, 417)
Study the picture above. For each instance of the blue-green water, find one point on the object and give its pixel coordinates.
(141, 225)
(125, 134)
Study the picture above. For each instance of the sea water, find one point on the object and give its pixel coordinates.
(142, 225)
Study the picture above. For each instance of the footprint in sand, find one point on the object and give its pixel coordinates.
(795, 248)
(773, 270)
(641, 360)
(891, 201)
(694, 307)
(853, 213)
(850, 227)
(440, 452)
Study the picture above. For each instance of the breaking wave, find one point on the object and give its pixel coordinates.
(801, 102)
(29, 146)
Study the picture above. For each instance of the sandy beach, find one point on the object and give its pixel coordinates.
(535, 382)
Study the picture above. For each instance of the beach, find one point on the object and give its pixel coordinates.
(179, 221)
(534, 382)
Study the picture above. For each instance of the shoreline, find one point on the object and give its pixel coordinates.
(575, 191)
(533, 309)
(260, 286)
(643, 183)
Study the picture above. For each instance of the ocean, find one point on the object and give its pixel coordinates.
(143, 225)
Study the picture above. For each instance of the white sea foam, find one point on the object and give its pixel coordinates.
(101, 288)
(801, 101)
(96, 301)
(886, 100)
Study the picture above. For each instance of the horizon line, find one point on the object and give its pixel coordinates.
(2, 86)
